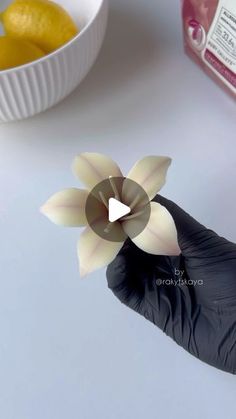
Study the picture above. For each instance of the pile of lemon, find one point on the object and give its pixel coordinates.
(33, 28)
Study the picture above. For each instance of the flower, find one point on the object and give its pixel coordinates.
(67, 208)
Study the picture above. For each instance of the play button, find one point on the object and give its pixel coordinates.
(111, 203)
(117, 210)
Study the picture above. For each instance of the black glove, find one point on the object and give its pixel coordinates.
(191, 297)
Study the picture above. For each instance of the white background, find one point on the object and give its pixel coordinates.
(68, 348)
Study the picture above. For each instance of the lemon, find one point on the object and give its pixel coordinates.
(15, 52)
(42, 22)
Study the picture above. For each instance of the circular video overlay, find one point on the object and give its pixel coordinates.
(117, 207)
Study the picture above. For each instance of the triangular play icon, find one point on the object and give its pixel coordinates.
(117, 210)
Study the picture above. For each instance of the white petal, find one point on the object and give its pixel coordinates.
(150, 173)
(159, 236)
(67, 207)
(95, 252)
(92, 168)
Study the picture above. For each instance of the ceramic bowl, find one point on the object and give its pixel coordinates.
(32, 88)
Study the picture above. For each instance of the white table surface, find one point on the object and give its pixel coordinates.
(68, 348)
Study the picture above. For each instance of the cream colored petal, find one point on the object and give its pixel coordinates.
(92, 168)
(159, 236)
(95, 252)
(150, 173)
(67, 207)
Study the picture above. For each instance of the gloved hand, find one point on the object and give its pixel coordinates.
(191, 297)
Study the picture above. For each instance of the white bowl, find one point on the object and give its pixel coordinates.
(37, 86)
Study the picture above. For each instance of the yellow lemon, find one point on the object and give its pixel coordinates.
(42, 22)
(15, 52)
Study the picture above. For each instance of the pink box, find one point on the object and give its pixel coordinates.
(210, 38)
